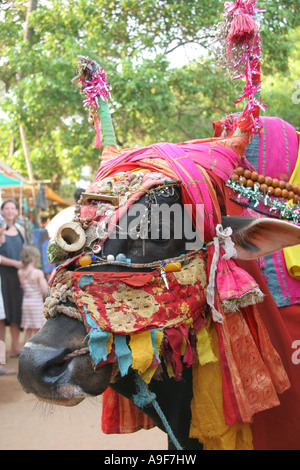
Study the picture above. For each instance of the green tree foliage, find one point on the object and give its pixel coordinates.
(133, 40)
(282, 90)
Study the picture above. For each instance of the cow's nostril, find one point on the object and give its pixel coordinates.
(40, 366)
(54, 371)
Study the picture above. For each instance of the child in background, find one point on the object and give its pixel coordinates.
(34, 287)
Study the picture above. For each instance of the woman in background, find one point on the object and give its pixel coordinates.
(12, 238)
(34, 286)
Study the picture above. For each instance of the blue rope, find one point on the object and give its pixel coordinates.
(145, 398)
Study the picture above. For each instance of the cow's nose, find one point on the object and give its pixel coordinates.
(40, 368)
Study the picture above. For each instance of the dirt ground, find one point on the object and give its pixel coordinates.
(28, 424)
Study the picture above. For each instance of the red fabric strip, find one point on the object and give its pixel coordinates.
(175, 340)
(132, 279)
(230, 405)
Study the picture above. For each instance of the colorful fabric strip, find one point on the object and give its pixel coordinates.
(123, 354)
(97, 340)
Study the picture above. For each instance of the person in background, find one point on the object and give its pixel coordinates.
(12, 236)
(34, 287)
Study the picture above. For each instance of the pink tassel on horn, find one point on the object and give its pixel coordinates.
(93, 84)
(243, 29)
(242, 52)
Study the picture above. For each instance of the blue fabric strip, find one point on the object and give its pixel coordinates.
(97, 340)
(123, 353)
(153, 339)
(272, 274)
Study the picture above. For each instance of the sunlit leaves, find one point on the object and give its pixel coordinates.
(132, 40)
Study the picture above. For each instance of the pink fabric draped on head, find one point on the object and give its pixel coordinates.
(187, 162)
(194, 164)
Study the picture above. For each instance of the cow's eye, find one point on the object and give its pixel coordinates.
(161, 233)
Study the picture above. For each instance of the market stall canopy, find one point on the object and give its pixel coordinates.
(10, 180)
(13, 185)
(27, 192)
(7, 181)
(7, 171)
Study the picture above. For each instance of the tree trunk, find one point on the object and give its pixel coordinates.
(28, 33)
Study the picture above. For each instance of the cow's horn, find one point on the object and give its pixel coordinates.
(70, 237)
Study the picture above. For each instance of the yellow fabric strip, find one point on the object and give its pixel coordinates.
(292, 261)
(147, 376)
(208, 421)
(295, 178)
(204, 347)
(142, 350)
(109, 343)
(170, 370)
(158, 341)
(292, 253)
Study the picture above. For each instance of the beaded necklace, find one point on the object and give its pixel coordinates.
(168, 265)
(183, 259)
(277, 195)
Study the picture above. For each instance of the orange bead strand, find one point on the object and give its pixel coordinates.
(269, 185)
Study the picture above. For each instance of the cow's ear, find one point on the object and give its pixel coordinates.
(254, 238)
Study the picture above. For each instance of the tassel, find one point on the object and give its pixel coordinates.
(243, 29)
(93, 84)
(242, 47)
